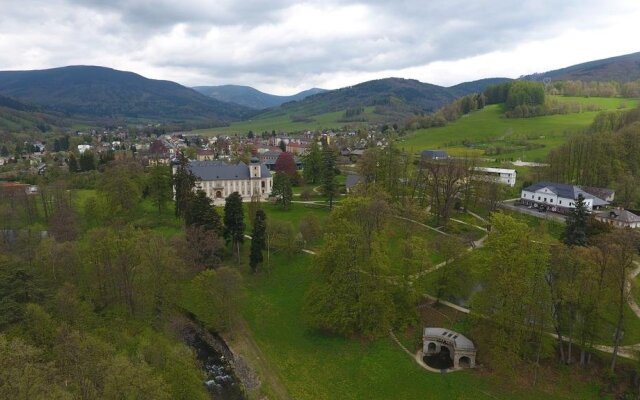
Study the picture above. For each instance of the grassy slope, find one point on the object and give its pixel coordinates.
(283, 123)
(490, 126)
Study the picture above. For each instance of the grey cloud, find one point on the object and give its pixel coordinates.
(263, 42)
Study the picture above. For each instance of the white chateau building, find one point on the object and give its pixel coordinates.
(500, 175)
(559, 197)
(219, 179)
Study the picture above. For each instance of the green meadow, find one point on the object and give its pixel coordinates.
(281, 121)
(529, 139)
(315, 366)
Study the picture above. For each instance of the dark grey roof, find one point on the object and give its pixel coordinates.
(220, 170)
(430, 154)
(566, 191)
(602, 193)
(352, 180)
(619, 215)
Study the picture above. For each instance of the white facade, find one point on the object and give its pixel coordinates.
(499, 175)
(549, 198)
(83, 147)
(219, 179)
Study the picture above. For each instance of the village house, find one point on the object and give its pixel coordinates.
(296, 148)
(269, 159)
(500, 175)
(558, 197)
(352, 181)
(83, 147)
(205, 155)
(426, 155)
(219, 179)
(619, 217)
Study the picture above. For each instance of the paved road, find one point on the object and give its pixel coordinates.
(510, 205)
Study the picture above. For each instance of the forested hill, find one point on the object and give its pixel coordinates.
(394, 95)
(250, 97)
(105, 92)
(11, 103)
(465, 88)
(622, 69)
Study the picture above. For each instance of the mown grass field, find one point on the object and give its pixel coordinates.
(489, 127)
(282, 122)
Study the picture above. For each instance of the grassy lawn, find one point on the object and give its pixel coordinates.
(490, 127)
(293, 214)
(315, 366)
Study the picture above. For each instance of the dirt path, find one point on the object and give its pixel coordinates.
(246, 349)
(630, 299)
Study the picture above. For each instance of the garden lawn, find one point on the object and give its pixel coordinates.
(315, 366)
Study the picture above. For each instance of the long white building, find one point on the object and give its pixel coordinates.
(558, 197)
(500, 175)
(219, 179)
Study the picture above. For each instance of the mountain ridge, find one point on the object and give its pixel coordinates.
(251, 97)
(106, 92)
(621, 68)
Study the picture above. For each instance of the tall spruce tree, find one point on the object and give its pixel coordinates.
(234, 222)
(313, 164)
(258, 241)
(576, 228)
(282, 189)
(159, 186)
(183, 183)
(329, 186)
(73, 163)
(200, 212)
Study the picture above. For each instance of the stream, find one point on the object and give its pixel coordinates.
(220, 378)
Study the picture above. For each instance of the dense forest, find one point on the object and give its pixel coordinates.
(97, 285)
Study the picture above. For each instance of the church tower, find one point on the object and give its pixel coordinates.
(254, 168)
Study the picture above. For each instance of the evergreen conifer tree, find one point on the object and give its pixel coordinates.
(234, 222)
(258, 241)
(576, 228)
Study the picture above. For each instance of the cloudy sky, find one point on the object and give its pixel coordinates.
(283, 46)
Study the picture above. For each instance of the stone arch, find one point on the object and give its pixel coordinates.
(464, 362)
(218, 194)
(431, 348)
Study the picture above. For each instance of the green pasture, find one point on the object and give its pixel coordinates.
(281, 121)
(489, 127)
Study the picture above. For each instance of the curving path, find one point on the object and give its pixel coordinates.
(630, 351)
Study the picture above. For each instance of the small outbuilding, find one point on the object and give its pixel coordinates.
(460, 349)
(619, 217)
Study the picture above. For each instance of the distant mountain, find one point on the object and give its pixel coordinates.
(463, 89)
(250, 97)
(407, 94)
(622, 68)
(393, 98)
(104, 92)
